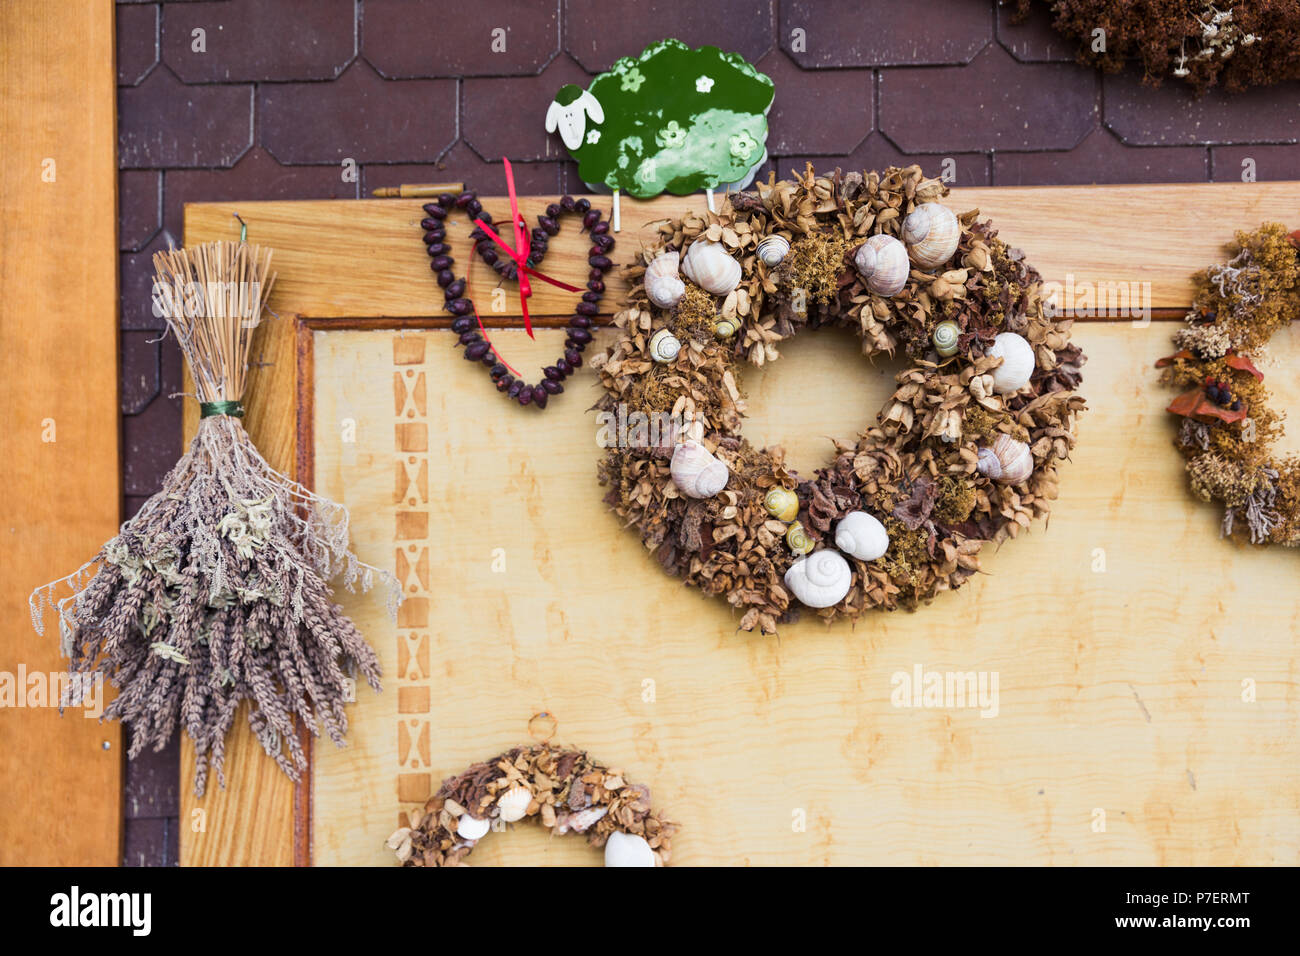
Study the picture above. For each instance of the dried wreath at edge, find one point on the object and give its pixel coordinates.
(569, 791)
(916, 468)
(1204, 43)
(1228, 429)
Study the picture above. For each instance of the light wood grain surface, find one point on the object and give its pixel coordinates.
(1121, 689)
(60, 777)
(358, 258)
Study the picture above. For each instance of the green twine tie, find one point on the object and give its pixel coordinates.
(230, 407)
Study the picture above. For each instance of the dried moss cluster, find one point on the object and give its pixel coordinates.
(1228, 439)
(916, 468)
(570, 793)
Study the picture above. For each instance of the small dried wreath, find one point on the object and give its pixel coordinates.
(565, 789)
(1228, 429)
(964, 453)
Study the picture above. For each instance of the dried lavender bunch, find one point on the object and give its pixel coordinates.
(215, 593)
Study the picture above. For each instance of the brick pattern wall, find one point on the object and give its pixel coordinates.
(283, 93)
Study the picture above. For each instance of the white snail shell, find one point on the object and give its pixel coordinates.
(862, 536)
(664, 346)
(882, 262)
(773, 249)
(628, 849)
(663, 286)
(931, 232)
(821, 579)
(513, 804)
(710, 267)
(1017, 362)
(1009, 462)
(472, 828)
(696, 473)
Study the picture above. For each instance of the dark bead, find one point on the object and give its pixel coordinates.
(591, 297)
(438, 249)
(538, 247)
(460, 306)
(446, 277)
(464, 199)
(580, 322)
(464, 323)
(476, 351)
(455, 290)
(515, 387)
(434, 235)
(599, 262)
(485, 216)
(539, 396)
(552, 373)
(552, 386)
(490, 359)
(581, 336)
(572, 343)
(470, 337)
(435, 212)
(604, 243)
(600, 228)
(564, 368)
(525, 395)
(582, 204)
(498, 370)
(478, 235)
(573, 357)
(567, 203)
(590, 218)
(504, 382)
(595, 285)
(549, 225)
(538, 233)
(429, 207)
(554, 209)
(446, 200)
(473, 208)
(441, 262)
(427, 224)
(488, 255)
(595, 250)
(596, 274)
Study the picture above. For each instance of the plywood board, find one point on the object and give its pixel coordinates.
(60, 777)
(349, 259)
(1124, 638)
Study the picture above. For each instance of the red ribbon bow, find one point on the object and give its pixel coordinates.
(519, 254)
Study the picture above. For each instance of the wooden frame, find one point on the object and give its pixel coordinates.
(358, 265)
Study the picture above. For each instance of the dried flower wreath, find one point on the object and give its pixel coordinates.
(1228, 428)
(1202, 43)
(564, 789)
(964, 453)
(214, 592)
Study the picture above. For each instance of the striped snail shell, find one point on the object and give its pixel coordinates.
(882, 262)
(798, 540)
(945, 338)
(821, 579)
(782, 504)
(711, 267)
(664, 346)
(725, 329)
(931, 232)
(1009, 462)
(773, 249)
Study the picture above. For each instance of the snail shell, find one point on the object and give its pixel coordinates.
(862, 536)
(945, 337)
(663, 286)
(725, 329)
(1017, 362)
(710, 267)
(798, 539)
(472, 828)
(782, 504)
(882, 262)
(628, 849)
(513, 804)
(1009, 462)
(931, 232)
(664, 346)
(821, 579)
(773, 249)
(696, 473)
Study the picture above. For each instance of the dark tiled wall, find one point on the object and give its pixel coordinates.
(286, 91)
